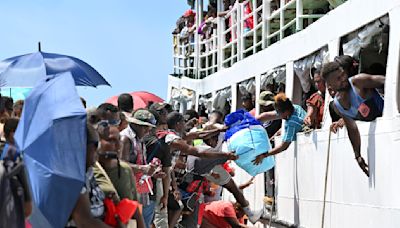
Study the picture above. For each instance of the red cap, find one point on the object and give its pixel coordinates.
(189, 13)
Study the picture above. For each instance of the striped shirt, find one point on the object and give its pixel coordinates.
(294, 124)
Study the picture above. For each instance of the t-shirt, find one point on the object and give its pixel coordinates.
(216, 212)
(317, 101)
(272, 127)
(294, 124)
(96, 195)
(157, 148)
(102, 179)
(125, 183)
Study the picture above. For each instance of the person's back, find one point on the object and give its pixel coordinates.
(220, 214)
(15, 201)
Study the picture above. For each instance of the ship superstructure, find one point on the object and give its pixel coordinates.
(254, 42)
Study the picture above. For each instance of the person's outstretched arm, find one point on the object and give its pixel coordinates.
(355, 139)
(182, 146)
(276, 150)
(266, 116)
(367, 81)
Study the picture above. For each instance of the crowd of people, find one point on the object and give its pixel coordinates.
(171, 165)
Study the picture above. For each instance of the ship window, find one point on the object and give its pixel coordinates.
(222, 101)
(369, 48)
(246, 91)
(304, 71)
(182, 99)
(205, 104)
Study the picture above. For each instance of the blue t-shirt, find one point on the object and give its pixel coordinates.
(294, 124)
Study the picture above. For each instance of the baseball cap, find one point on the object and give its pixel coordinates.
(142, 117)
(189, 13)
(266, 98)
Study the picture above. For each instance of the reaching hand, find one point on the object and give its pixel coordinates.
(231, 156)
(363, 165)
(336, 125)
(163, 202)
(258, 160)
(247, 184)
(177, 195)
(307, 121)
(159, 175)
(149, 169)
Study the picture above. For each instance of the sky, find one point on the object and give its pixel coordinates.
(129, 42)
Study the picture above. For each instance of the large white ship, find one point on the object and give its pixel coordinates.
(285, 40)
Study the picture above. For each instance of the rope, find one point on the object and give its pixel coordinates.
(326, 178)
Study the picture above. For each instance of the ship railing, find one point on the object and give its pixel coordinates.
(208, 57)
(244, 30)
(230, 36)
(185, 56)
(252, 27)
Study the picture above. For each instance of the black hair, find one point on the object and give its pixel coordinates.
(329, 68)
(348, 63)
(315, 71)
(106, 107)
(125, 102)
(283, 103)
(155, 114)
(247, 97)
(10, 125)
(173, 118)
(191, 114)
(6, 103)
(218, 113)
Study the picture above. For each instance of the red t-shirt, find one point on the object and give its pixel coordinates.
(317, 100)
(216, 212)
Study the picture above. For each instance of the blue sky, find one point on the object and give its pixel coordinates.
(128, 41)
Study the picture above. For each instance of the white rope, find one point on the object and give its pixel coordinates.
(326, 178)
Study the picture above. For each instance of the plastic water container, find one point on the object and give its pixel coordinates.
(247, 144)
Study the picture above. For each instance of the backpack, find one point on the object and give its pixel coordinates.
(13, 193)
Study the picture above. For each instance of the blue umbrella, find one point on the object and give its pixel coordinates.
(52, 137)
(27, 70)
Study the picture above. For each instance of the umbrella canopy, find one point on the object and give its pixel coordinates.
(52, 137)
(140, 99)
(27, 70)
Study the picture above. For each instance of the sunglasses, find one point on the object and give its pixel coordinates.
(102, 123)
(115, 122)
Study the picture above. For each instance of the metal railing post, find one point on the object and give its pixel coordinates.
(240, 35)
(265, 15)
(282, 20)
(299, 14)
(255, 24)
